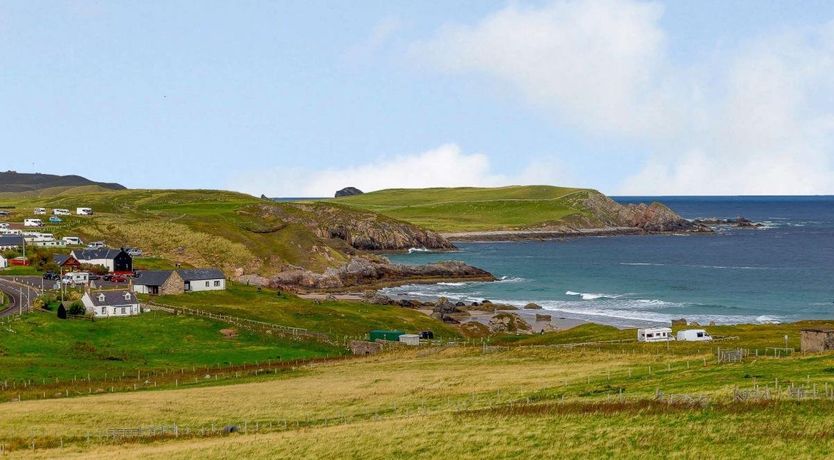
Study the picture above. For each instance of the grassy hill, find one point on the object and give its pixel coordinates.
(11, 181)
(337, 318)
(481, 209)
(616, 400)
(213, 228)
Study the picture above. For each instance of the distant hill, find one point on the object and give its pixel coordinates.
(515, 208)
(11, 181)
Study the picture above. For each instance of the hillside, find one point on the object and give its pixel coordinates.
(11, 181)
(514, 208)
(241, 234)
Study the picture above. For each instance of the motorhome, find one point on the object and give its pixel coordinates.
(40, 211)
(694, 335)
(655, 334)
(84, 211)
(60, 212)
(96, 245)
(72, 240)
(32, 223)
(75, 278)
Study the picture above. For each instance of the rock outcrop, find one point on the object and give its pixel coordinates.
(359, 229)
(348, 191)
(649, 218)
(361, 272)
(508, 322)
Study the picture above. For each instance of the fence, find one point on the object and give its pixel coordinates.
(251, 324)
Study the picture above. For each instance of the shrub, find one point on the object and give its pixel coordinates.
(62, 312)
(77, 308)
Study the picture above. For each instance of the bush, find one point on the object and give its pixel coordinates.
(62, 312)
(77, 308)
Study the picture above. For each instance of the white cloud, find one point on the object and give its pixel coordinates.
(380, 35)
(759, 123)
(445, 166)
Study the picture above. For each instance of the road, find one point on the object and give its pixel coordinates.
(18, 294)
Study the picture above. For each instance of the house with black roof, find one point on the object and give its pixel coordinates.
(111, 303)
(158, 282)
(9, 242)
(66, 262)
(116, 260)
(202, 279)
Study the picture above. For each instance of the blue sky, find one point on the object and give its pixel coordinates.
(302, 98)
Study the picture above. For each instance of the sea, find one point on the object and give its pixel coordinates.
(782, 271)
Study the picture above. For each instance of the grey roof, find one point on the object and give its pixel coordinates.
(11, 240)
(100, 253)
(113, 298)
(198, 274)
(152, 277)
(60, 258)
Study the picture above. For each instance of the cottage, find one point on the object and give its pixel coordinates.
(816, 340)
(158, 282)
(9, 242)
(66, 262)
(115, 260)
(111, 303)
(202, 279)
(656, 334)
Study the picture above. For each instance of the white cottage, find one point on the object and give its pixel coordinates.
(202, 279)
(111, 303)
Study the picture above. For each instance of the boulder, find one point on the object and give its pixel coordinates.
(547, 318)
(508, 323)
(679, 322)
(348, 191)
(532, 306)
(443, 310)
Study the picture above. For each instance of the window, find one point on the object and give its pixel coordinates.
(217, 283)
(207, 284)
(123, 310)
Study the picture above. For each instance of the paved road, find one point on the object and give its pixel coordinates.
(18, 294)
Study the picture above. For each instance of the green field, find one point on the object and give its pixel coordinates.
(40, 347)
(476, 209)
(338, 318)
(618, 401)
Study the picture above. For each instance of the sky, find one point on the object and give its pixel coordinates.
(291, 98)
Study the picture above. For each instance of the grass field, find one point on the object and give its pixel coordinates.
(627, 401)
(41, 348)
(475, 209)
(338, 318)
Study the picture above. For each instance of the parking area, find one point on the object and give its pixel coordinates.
(38, 282)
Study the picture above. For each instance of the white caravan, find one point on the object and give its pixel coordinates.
(655, 334)
(76, 278)
(84, 211)
(694, 335)
(32, 223)
(60, 212)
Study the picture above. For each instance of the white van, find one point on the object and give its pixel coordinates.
(694, 335)
(60, 212)
(76, 278)
(655, 334)
(96, 245)
(32, 223)
(40, 211)
(72, 240)
(84, 211)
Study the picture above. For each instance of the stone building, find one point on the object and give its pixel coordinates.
(816, 340)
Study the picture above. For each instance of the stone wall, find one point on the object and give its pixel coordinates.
(816, 340)
(362, 347)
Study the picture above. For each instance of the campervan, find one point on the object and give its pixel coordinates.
(75, 278)
(655, 334)
(694, 335)
(72, 240)
(60, 212)
(32, 223)
(40, 211)
(96, 245)
(84, 211)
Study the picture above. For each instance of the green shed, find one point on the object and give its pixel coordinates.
(378, 334)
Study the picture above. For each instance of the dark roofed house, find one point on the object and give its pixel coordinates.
(111, 303)
(158, 282)
(203, 279)
(67, 262)
(116, 260)
(8, 242)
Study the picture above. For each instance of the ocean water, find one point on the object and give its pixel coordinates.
(779, 273)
